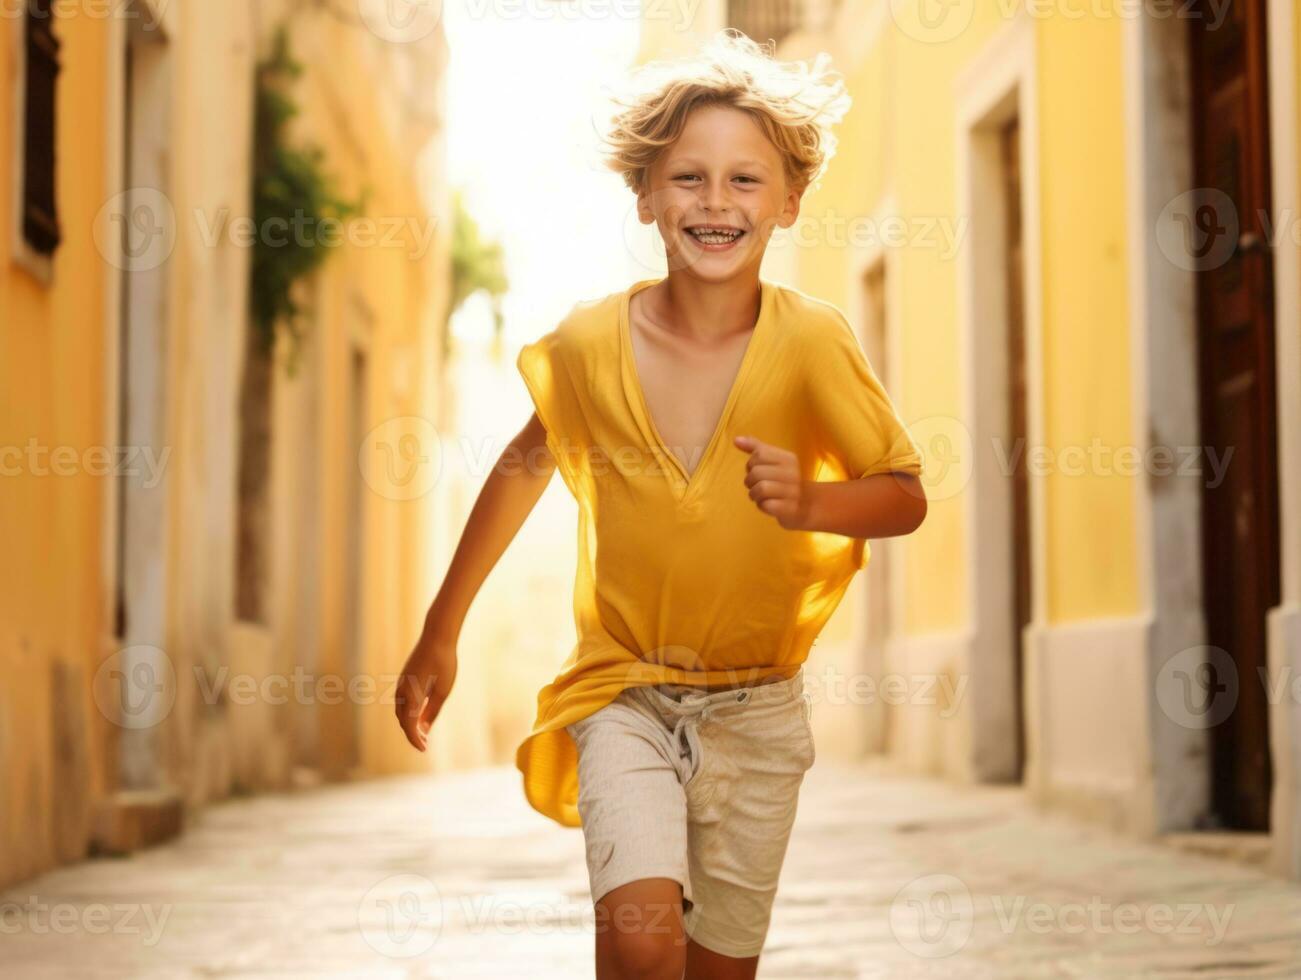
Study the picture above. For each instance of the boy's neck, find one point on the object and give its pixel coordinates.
(701, 310)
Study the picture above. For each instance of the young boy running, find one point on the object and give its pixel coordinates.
(730, 449)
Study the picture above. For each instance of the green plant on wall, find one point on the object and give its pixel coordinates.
(476, 265)
(294, 204)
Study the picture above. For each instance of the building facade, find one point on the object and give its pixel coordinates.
(215, 562)
(1068, 235)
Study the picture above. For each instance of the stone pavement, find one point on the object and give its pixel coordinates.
(887, 876)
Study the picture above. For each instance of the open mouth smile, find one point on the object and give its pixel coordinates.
(715, 238)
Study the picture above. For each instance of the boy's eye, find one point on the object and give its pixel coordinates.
(695, 177)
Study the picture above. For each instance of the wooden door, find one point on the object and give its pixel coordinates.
(1235, 333)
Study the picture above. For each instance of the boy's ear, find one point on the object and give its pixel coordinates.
(791, 209)
(644, 214)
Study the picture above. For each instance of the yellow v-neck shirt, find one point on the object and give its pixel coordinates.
(684, 580)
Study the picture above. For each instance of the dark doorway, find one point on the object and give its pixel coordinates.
(1235, 333)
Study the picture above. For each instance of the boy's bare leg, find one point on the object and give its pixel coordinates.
(705, 964)
(639, 933)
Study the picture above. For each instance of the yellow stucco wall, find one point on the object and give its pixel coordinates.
(56, 349)
(406, 292)
(1091, 541)
(899, 140)
(51, 395)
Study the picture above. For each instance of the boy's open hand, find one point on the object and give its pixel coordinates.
(423, 686)
(773, 476)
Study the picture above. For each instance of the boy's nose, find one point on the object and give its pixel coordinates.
(715, 199)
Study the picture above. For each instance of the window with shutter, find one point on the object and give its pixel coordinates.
(40, 220)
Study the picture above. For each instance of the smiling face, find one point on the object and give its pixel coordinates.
(717, 193)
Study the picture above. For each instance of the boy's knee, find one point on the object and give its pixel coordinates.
(648, 956)
(640, 927)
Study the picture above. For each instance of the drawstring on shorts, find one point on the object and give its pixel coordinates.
(692, 710)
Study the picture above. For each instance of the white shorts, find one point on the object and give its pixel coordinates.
(699, 786)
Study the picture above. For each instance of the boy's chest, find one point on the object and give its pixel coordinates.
(685, 388)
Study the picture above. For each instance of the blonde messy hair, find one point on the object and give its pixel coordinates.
(795, 104)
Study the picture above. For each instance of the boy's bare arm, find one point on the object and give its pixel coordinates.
(882, 505)
(508, 496)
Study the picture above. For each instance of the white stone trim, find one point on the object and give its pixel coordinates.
(1001, 82)
(150, 300)
(1090, 717)
(926, 738)
(864, 257)
(1285, 158)
(1284, 621)
(1163, 355)
(122, 32)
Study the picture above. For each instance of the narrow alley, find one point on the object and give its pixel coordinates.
(945, 349)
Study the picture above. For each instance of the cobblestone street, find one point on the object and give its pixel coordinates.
(887, 876)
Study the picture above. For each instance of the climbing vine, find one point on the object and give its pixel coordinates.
(294, 198)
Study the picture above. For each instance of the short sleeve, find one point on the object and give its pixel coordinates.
(542, 366)
(539, 365)
(855, 419)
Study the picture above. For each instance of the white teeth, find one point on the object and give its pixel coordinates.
(720, 237)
